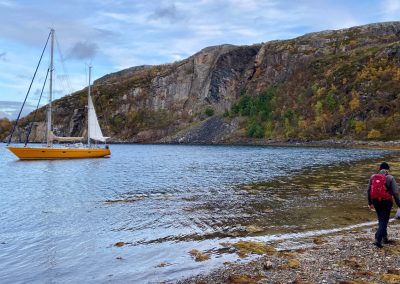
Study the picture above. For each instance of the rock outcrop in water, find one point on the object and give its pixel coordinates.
(331, 84)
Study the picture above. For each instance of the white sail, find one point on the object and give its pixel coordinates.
(93, 124)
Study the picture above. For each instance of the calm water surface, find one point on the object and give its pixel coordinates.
(60, 220)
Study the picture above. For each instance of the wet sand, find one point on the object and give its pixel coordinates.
(345, 257)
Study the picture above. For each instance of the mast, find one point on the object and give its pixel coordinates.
(89, 105)
(49, 142)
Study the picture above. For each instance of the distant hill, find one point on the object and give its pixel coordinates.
(330, 84)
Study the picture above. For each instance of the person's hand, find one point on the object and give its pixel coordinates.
(371, 206)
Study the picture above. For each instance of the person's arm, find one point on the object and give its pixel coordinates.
(395, 191)
(369, 194)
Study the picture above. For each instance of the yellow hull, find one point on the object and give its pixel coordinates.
(47, 153)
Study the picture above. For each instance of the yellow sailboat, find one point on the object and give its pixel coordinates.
(51, 151)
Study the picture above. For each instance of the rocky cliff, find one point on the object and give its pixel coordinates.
(343, 83)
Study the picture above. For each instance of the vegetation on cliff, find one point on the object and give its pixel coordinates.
(332, 84)
(5, 127)
(353, 93)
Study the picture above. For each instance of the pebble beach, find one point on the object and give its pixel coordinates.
(345, 257)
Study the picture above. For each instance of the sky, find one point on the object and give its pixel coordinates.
(115, 34)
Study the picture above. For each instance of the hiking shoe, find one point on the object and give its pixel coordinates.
(387, 241)
(379, 245)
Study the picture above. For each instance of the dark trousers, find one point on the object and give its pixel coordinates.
(382, 209)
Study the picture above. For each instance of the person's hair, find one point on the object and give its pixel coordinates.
(384, 166)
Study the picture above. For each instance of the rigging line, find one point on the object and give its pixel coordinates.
(29, 89)
(62, 77)
(66, 78)
(34, 115)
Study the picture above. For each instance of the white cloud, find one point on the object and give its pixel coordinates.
(391, 10)
(10, 109)
(177, 57)
(122, 57)
(7, 3)
(127, 33)
(207, 30)
(393, 6)
(116, 16)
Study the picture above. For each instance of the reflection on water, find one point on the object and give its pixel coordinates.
(60, 220)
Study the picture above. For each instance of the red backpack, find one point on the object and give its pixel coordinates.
(378, 188)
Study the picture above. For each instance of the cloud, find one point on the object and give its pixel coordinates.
(116, 16)
(168, 12)
(7, 3)
(11, 109)
(390, 9)
(104, 33)
(393, 6)
(121, 34)
(122, 57)
(30, 24)
(83, 50)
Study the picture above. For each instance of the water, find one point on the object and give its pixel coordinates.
(60, 220)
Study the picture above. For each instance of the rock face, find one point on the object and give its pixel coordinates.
(213, 76)
(153, 103)
(211, 131)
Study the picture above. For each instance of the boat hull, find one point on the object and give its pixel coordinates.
(47, 153)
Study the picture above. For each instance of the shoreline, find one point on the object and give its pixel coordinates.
(348, 256)
(394, 145)
(334, 143)
(343, 256)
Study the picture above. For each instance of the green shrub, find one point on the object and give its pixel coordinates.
(318, 108)
(258, 106)
(289, 114)
(209, 111)
(227, 113)
(255, 130)
(331, 101)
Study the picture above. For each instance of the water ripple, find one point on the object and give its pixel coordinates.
(56, 216)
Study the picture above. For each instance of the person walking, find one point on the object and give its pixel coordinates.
(382, 189)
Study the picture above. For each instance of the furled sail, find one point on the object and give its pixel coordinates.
(53, 137)
(93, 124)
